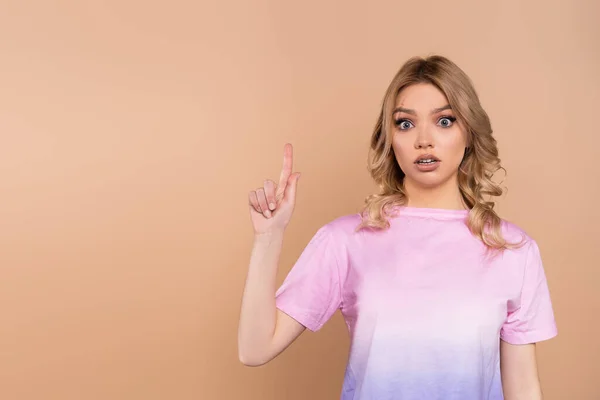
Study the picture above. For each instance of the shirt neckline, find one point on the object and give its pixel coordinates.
(431, 212)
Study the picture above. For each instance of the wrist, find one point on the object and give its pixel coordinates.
(269, 235)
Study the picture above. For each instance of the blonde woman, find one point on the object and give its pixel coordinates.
(442, 298)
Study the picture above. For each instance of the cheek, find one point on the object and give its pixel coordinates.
(453, 146)
(402, 149)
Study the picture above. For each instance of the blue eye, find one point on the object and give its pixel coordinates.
(446, 122)
(403, 124)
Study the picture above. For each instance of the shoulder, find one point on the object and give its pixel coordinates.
(341, 228)
(513, 233)
(345, 223)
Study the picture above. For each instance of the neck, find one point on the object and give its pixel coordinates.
(444, 196)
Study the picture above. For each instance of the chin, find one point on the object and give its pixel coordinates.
(428, 180)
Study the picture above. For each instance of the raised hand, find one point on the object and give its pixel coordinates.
(272, 205)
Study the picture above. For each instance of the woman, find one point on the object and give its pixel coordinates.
(441, 297)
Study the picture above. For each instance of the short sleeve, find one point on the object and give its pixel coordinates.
(531, 317)
(311, 292)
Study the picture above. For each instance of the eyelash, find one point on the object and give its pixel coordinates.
(401, 120)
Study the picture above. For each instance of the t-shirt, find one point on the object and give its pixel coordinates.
(424, 303)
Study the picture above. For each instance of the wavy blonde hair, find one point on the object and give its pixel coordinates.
(479, 164)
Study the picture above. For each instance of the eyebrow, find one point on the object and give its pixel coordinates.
(412, 112)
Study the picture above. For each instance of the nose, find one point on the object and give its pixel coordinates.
(424, 139)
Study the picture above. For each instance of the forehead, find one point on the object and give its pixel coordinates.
(421, 97)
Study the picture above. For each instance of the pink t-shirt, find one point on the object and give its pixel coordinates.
(424, 304)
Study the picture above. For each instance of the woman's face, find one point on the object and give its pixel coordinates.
(428, 141)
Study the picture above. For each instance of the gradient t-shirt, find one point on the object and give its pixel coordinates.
(424, 304)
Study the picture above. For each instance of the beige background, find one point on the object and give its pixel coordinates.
(132, 131)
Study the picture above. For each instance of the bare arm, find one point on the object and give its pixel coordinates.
(263, 330)
(519, 372)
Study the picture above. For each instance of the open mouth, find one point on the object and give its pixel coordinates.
(427, 160)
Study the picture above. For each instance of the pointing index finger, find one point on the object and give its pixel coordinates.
(286, 170)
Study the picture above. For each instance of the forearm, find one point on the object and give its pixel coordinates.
(520, 379)
(532, 393)
(258, 315)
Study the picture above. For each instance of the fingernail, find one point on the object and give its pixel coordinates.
(268, 213)
(272, 206)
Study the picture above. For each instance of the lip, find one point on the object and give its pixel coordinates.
(427, 167)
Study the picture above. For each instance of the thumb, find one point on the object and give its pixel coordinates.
(292, 184)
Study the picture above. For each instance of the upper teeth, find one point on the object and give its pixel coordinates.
(428, 160)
